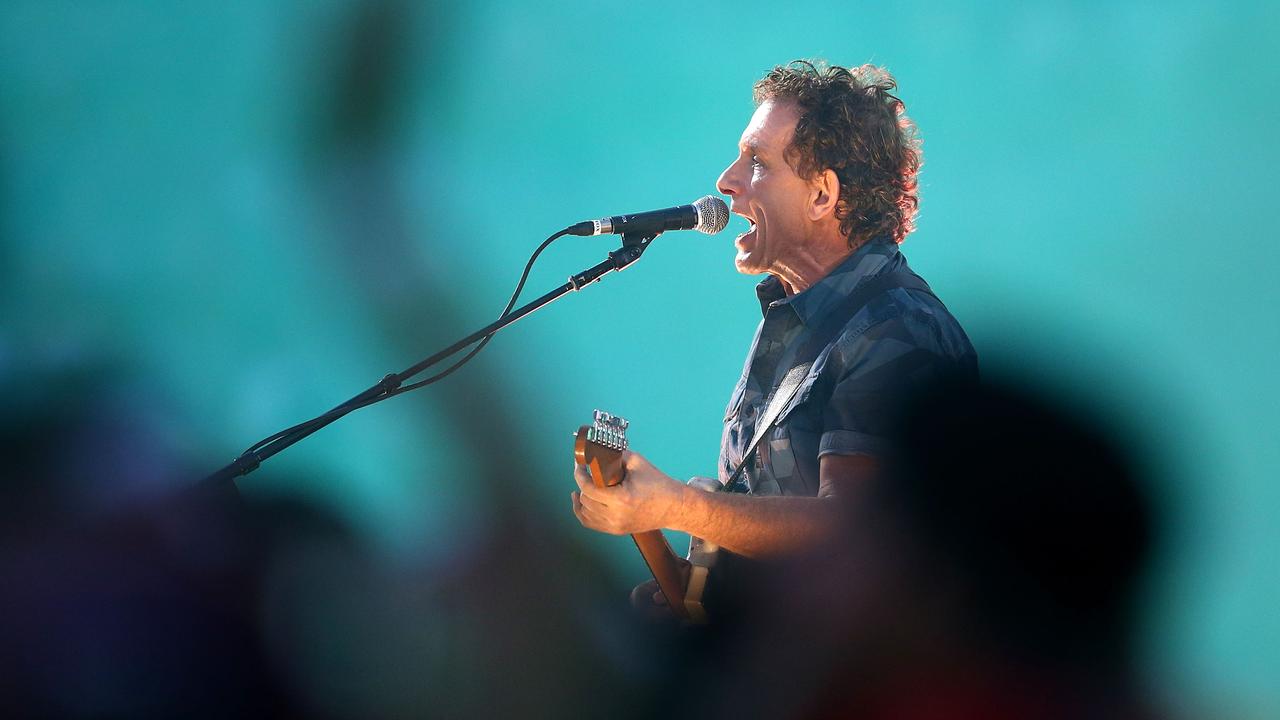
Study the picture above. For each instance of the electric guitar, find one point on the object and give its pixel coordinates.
(599, 447)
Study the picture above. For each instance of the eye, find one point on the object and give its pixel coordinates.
(755, 160)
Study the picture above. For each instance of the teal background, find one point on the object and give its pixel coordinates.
(250, 211)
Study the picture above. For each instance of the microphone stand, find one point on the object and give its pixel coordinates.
(633, 246)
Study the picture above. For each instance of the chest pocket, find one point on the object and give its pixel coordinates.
(731, 441)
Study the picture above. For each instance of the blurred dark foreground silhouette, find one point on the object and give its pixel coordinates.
(126, 590)
(990, 571)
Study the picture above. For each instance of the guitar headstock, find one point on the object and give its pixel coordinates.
(608, 430)
(600, 445)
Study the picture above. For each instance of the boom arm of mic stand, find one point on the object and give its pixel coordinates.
(632, 249)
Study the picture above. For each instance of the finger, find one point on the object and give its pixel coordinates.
(600, 522)
(632, 459)
(589, 488)
(591, 519)
(594, 504)
(652, 605)
(641, 593)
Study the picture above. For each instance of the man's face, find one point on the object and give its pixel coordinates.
(764, 189)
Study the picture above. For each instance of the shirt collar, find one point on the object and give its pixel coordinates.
(810, 305)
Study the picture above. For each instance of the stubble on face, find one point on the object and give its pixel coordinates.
(768, 193)
(794, 235)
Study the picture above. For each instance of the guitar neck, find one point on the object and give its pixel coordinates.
(599, 447)
(665, 566)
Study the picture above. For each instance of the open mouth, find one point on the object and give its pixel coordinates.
(751, 229)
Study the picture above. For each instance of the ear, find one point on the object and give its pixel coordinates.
(825, 195)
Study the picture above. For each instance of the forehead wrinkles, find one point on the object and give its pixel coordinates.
(771, 128)
(750, 139)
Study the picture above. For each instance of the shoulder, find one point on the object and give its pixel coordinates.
(898, 324)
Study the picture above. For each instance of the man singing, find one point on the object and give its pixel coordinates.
(826, 175)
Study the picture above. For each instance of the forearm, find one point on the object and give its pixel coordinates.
(755, 526)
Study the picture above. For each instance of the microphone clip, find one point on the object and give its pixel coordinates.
(618, 259)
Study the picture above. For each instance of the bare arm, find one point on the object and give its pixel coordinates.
(748, 525)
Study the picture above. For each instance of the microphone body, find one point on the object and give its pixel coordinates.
(709, 215)
(681, 217)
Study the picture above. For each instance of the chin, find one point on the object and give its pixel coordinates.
(747, 261)
(746, 265)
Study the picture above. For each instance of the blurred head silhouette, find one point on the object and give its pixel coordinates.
(1034, 517)
(988, 570)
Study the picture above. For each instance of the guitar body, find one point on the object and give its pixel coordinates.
(599, 448)
(702, 558)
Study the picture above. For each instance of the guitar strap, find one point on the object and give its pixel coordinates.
(703, 556)
(821, 339)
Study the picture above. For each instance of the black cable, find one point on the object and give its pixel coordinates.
(524, 276)
(309, 426)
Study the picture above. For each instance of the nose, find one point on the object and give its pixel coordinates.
(728, 183)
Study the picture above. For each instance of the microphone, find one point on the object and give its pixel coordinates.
(708, 214)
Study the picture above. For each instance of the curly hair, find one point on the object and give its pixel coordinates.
(851, 123)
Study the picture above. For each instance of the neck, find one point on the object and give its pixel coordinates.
(809, 264)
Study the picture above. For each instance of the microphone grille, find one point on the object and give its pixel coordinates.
(713, 214)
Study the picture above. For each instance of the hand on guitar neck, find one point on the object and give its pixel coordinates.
(650, 602)
(641, 506)
(648, 500)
